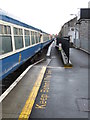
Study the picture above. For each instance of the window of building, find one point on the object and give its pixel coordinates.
(5, 39)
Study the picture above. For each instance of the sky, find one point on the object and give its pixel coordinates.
(47, 15)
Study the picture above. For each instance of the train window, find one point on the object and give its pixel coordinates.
(36, 37)
(32, 33)
(18, 31)
(27, 41)
(26, 32)
(15, 31)
(32, 37)
(33, 41)
(27, 38)
(39, 37)
(5, 39)
(0, 29)
(8, 30)
(18, 38)
(5, 29)
(45, 37)
(6, 42)
(18, 42)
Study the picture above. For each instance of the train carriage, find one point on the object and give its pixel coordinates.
(18, 43)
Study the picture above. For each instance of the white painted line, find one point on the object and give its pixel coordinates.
(17, 81)
(62, 53)
(49, 49)
(82, 49)
(65, 58)
(61, 68)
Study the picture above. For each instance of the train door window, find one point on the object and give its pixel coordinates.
(27, 38)
(18, 38)
(32, 37)
(5, 39)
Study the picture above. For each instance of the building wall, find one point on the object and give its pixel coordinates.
(89, 4)
(81, 38)
(66, 28)
(84, 35)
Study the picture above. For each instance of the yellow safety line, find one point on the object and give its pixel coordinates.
(26, 111)
(67, 67)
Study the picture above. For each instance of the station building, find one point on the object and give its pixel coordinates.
(78, 29)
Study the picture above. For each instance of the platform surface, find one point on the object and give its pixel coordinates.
(59, 92)
(62, 88)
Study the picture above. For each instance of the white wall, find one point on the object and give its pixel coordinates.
(72, 35)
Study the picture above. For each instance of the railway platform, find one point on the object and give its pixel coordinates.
(49, 90)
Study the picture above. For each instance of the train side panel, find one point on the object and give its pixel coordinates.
(46, 43)
(12, 62)
(17, 50)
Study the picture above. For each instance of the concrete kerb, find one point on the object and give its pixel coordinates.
(49, 50)
(81, 49)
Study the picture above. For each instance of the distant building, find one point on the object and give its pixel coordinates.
(83, 26)
(78, 30)
(89, 4)
(68, 29)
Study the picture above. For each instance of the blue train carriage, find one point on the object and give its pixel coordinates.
(45, 39)
(18, 43)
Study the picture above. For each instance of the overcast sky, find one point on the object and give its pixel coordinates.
(48, 15)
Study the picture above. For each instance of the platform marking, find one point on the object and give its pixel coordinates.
(20, 57)
(51, 67)
(26, 111)
(17, 81)
(67, 67)
(49, 49)
(42, 103)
